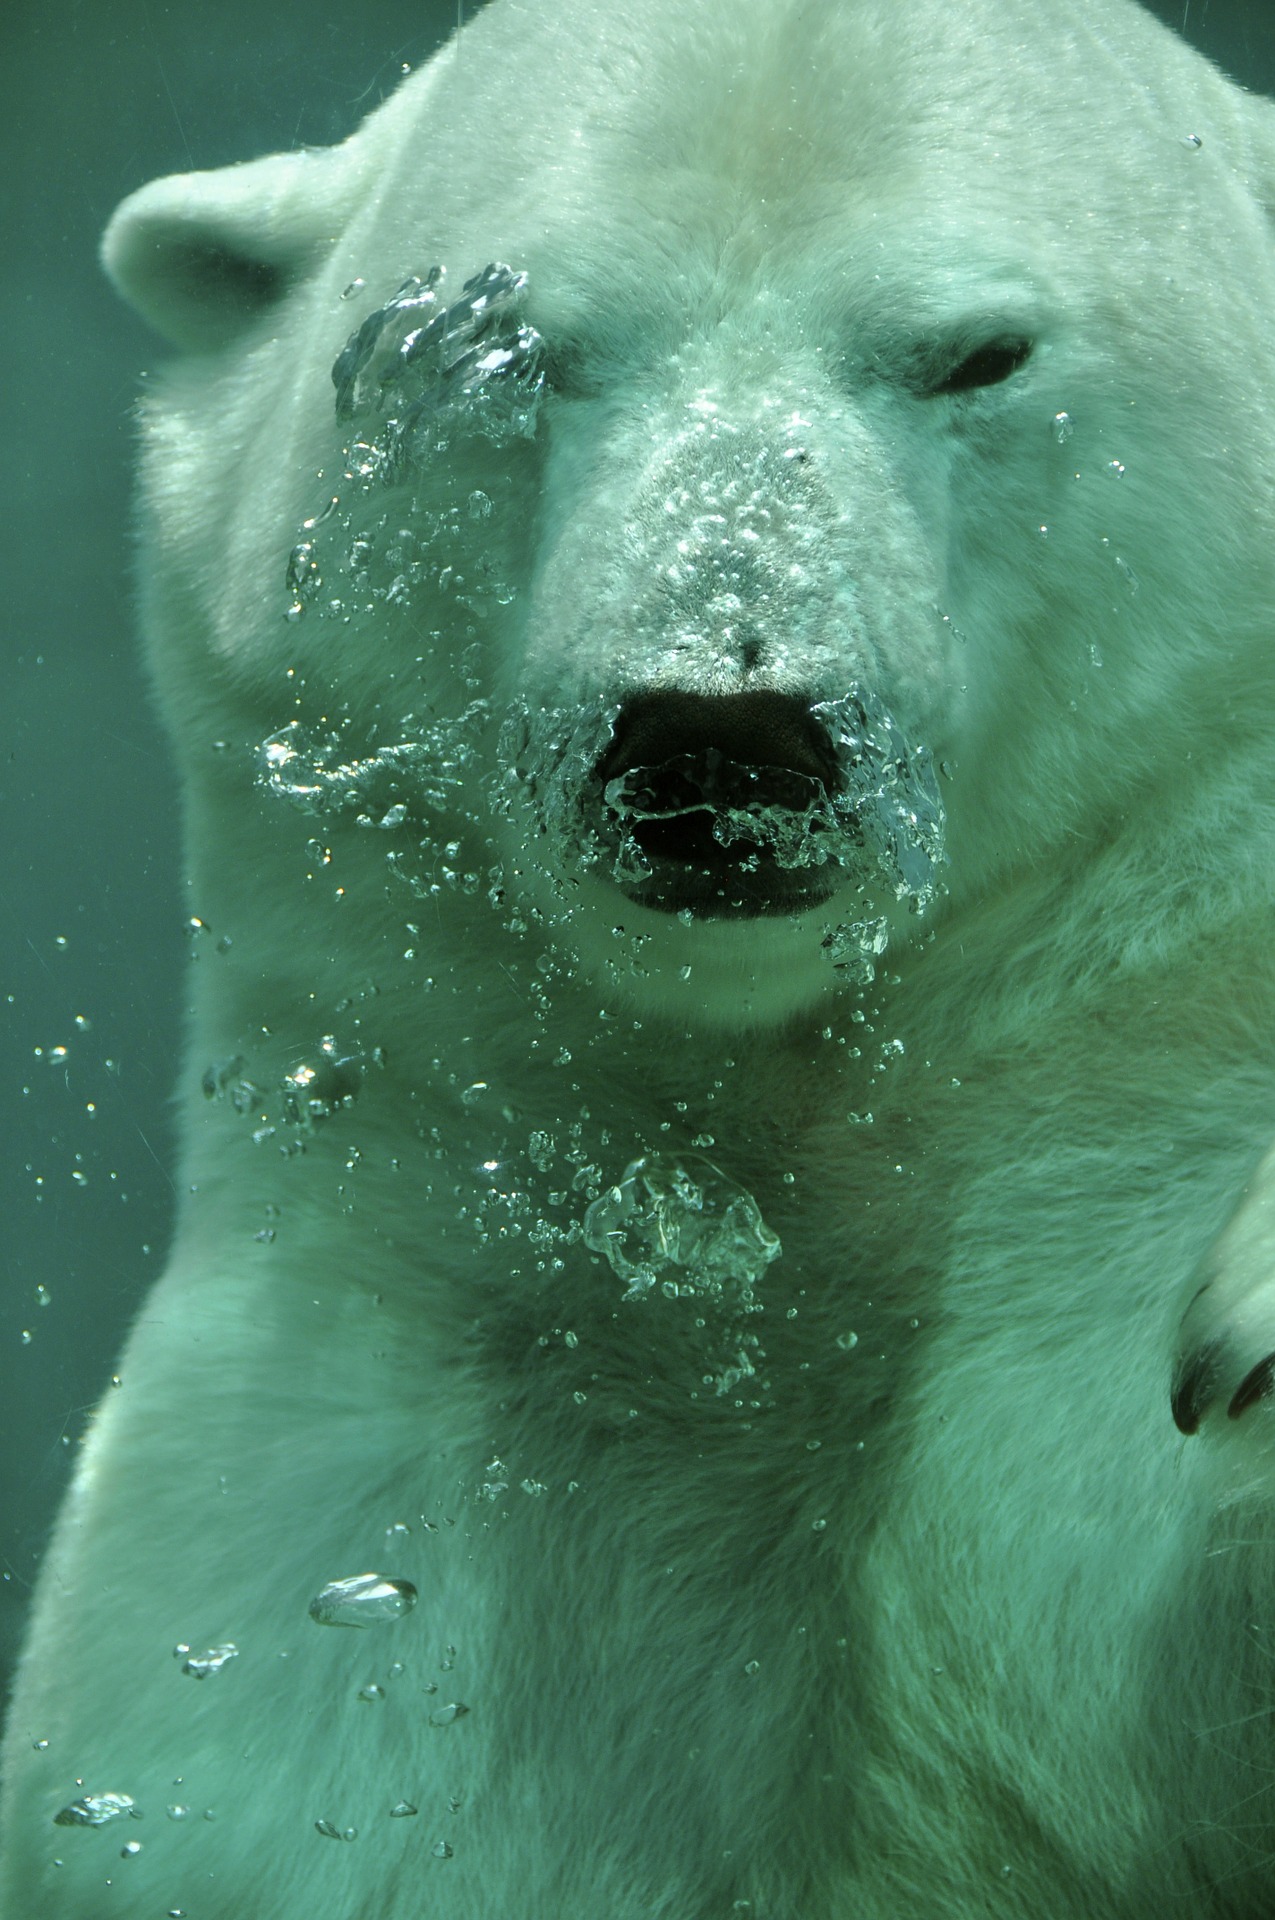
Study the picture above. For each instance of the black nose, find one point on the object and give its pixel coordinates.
(752, 729)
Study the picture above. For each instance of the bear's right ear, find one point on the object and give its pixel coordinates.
(203, 255)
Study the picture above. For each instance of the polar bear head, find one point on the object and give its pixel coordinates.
(742, 484)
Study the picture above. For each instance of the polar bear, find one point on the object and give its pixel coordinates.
(711, 575)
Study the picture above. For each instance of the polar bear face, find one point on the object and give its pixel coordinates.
(766, 486)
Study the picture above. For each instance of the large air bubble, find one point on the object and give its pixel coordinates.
(419, 361)
(421, 372)
(676, 1227)
(677, 1222)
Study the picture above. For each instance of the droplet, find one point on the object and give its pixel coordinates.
(448, 1716)
(362, 1600)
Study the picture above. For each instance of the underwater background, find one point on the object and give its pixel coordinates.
(96, 97)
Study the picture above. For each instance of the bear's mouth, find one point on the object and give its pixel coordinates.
(723, 805)
(720, 806)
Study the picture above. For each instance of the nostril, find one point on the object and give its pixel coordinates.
(757, 729)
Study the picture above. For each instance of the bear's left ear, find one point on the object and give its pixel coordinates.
(203, 255)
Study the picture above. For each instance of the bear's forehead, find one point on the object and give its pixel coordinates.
(783, 132)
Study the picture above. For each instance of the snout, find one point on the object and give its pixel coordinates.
(722, 804)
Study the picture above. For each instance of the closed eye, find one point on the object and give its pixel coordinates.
(571, 370)
(987, 366)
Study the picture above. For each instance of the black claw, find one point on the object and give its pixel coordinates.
(1256, 1384)
(1191, 1389)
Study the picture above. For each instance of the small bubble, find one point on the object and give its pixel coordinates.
(403, 1810)
(752, 1666)
(441, 1850)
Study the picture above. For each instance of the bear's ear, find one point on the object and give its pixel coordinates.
(203, 255)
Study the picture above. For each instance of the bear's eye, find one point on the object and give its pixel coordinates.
(567, 370)
(987, 366)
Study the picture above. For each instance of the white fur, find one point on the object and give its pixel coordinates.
(944, 1623)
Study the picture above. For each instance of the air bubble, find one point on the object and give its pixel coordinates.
(211, 1660)
(448, 1716)
(681, 1218)
(362, 1600)
(97, 1810)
